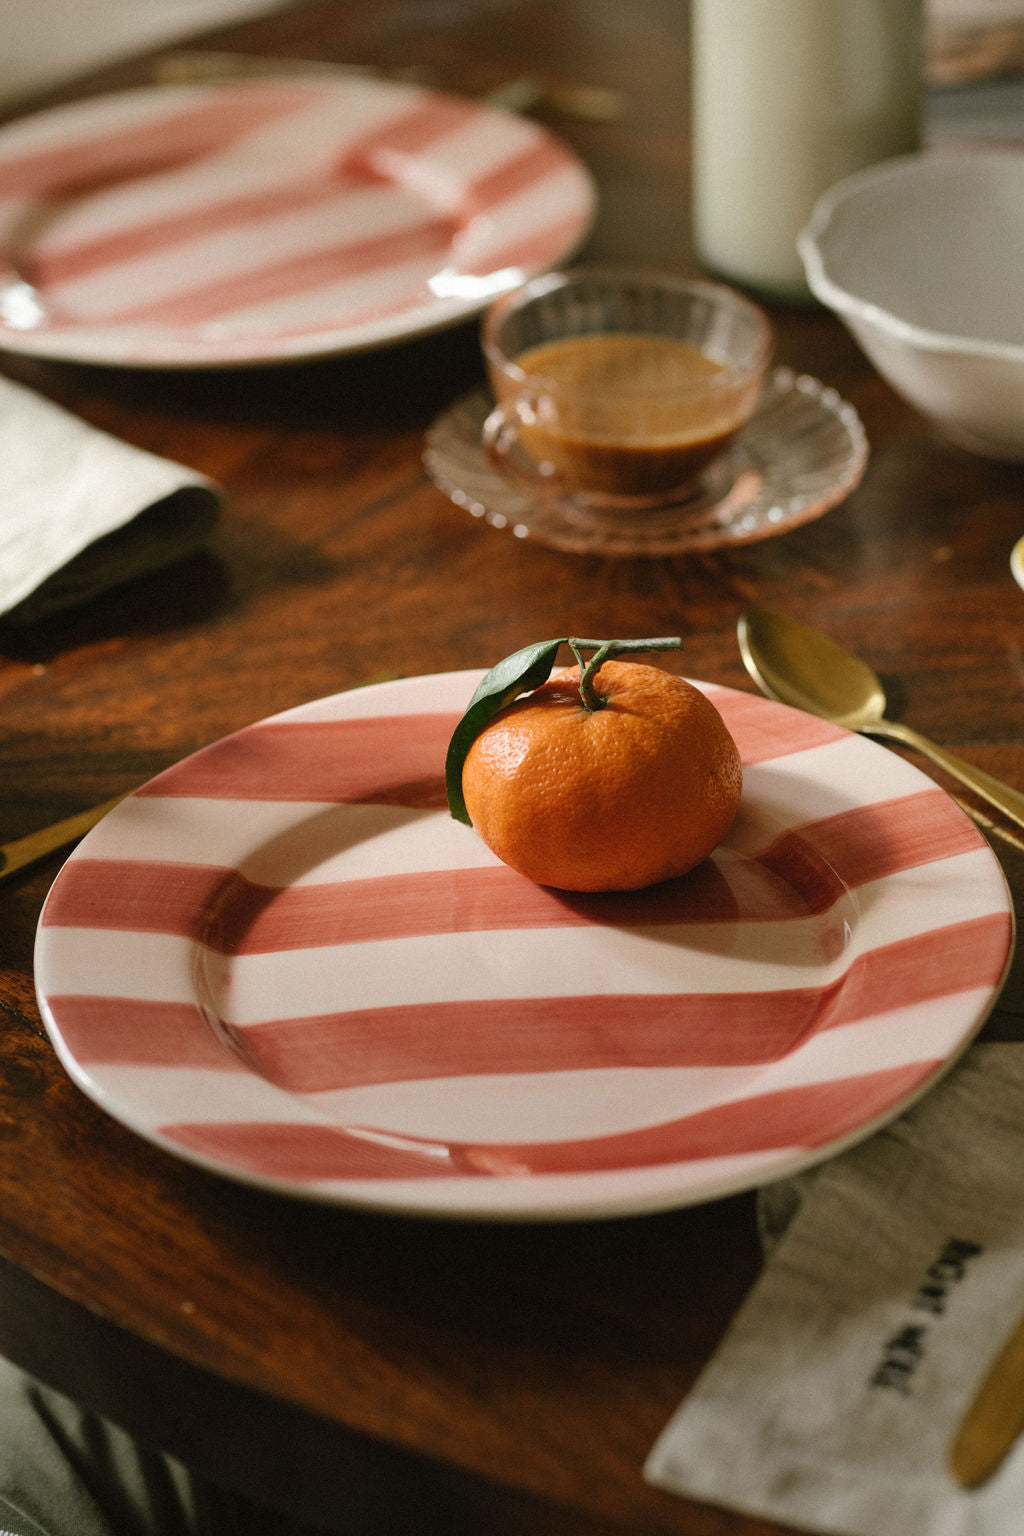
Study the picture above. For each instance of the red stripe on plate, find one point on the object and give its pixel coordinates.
(233, 915)
(418, 1042)
(374, 758)
(407, 135)
(131, 1031)
(221, 908)
(430, 237)
(969, 955)
(181, 224)
(131, 896)
(543, 1034)
(560, 1034)
(258, 920)
(88, 163)
(763, 730)
(870, 842)
(540, 160)
(388, 760)
(432, 234)
(252, 919)
(795, 1118)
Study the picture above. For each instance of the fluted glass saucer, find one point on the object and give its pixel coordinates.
(802, 452)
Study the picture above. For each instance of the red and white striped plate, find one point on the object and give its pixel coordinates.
(282, 959)
(253, 222)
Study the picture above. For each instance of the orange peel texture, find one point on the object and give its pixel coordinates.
(616, 798)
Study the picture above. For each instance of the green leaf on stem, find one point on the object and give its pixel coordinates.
(518, 673)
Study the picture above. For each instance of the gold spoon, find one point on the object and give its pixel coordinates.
(993, 1422)
(25, 850)
(798, 665)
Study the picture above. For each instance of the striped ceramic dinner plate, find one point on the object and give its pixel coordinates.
(283, 960)
(259, 221)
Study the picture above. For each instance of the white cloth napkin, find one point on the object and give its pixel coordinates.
(81, 511)
(833, 1400)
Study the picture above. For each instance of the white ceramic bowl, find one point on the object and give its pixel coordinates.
(923, 259)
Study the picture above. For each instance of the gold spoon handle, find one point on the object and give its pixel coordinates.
(1009, 801)
(25, 850)
(995, 1418)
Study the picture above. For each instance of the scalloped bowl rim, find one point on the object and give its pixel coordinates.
(850, 305)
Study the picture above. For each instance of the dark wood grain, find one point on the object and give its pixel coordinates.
(393, 1375)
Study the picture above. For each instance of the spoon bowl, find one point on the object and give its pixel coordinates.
(800, 666)
(797, 665)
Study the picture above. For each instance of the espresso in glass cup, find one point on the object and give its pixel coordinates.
(617, 388)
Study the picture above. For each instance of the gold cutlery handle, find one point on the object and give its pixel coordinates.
(25, 850)
(1009, 801)
(995, 1418)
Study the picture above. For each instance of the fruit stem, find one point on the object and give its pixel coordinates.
(603, 650)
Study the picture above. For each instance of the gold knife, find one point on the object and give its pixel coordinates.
(25, 850)
(995, 1418)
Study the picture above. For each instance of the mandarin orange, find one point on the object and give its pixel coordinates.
(613, 798)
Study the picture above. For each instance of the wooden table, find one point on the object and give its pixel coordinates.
(408, 1375)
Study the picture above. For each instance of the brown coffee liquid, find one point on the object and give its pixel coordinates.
(630, 415)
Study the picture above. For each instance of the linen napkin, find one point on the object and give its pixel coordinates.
(895, 1274)
(81, 511)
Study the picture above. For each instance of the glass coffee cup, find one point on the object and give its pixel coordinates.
(616, 389)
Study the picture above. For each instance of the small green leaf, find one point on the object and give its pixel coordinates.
(518, 673)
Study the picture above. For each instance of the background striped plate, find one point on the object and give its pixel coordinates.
(253, 222)
(282, 959)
